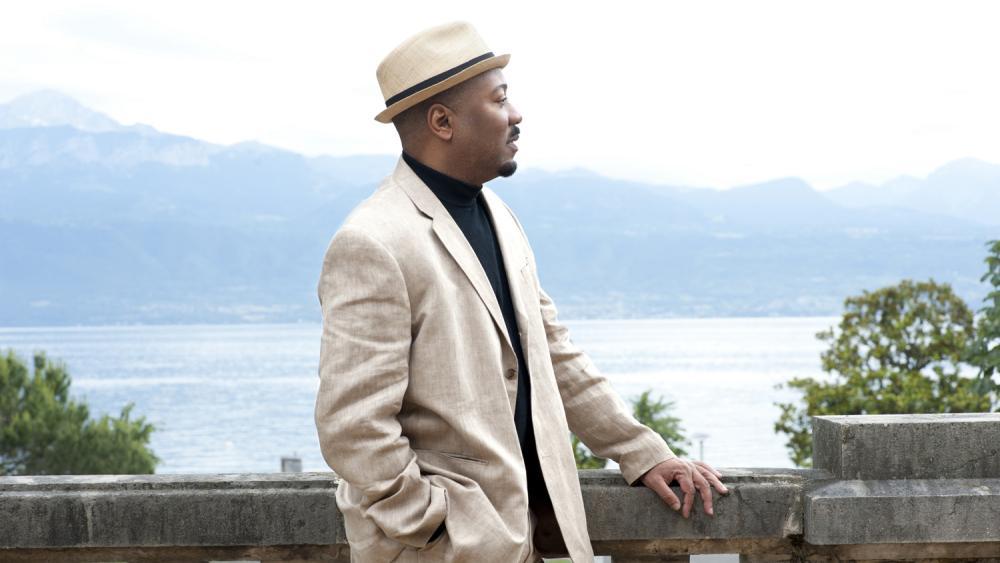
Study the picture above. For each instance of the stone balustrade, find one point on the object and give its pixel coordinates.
(895, 487)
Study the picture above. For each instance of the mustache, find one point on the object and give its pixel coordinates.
(514, 132)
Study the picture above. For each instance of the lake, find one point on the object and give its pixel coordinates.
(235, 398)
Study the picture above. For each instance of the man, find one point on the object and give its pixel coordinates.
(448, 387)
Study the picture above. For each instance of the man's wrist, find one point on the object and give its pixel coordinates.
(638, 480)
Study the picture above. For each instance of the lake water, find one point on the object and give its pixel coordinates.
(235, 398)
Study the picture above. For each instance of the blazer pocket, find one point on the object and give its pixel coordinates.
(452, 455)
(430, 551)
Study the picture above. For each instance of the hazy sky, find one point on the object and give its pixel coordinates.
(698, 93)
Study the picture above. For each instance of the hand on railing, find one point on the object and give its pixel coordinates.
(692, 476)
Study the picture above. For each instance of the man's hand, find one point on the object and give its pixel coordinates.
(692, 475)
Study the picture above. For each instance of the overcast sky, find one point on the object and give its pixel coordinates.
(697, 93)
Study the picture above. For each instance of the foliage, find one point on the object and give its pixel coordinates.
(898, 349)
(656, 415)
(653, 413)
(984, 350)
(585, 459)
(43, 431)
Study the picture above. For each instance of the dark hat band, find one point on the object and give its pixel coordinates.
(436, 78)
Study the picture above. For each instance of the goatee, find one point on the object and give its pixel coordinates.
(507, 169)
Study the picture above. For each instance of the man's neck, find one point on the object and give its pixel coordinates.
(450, 190)
(442, 164)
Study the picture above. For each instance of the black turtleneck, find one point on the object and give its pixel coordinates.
(467, 207)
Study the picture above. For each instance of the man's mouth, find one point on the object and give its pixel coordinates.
(515, 134)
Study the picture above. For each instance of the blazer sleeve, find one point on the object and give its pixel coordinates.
(594, 411)
(364, 372)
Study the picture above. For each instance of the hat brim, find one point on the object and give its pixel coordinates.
(406, 103)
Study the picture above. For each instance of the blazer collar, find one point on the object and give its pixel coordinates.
(513, 246)
(453, 239)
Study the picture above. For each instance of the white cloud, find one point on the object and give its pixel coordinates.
(707, 93)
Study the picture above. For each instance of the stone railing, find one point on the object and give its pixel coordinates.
(906, 487)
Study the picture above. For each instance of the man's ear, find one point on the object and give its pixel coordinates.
(440, 121)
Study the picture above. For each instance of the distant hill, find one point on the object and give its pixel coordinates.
(48, 108)
(967, 189)
(106, 223)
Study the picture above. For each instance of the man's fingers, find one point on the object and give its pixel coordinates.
(688, 487)
(662, 488)
(694, 477)
(706, 492)
(715, 482)
(700, 463)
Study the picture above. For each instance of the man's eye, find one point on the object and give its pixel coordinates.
(503, 100)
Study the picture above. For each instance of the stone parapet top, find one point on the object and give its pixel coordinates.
(168, 481)
(936, 418)
(935, 495)
(934, 446)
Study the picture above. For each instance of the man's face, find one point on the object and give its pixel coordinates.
(486, 127)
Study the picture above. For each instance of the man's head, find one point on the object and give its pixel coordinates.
(467, 131)
(447, 97)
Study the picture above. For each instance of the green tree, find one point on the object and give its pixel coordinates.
(654, 414)
(898, 349)
(43, 431)
(585, 459)
(984, 351)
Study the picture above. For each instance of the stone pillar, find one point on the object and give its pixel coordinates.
(906, 487)
(908, 446)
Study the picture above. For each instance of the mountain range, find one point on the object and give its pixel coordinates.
(106, 223)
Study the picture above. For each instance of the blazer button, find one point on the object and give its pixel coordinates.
(511, 373)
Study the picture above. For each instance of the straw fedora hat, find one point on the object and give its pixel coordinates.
(430, 62)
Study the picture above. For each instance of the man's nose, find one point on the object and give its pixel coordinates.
(514, 117)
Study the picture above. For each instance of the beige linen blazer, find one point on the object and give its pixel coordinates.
(418, 383)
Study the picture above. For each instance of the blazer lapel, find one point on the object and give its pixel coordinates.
(515, 259)
(453, 239)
